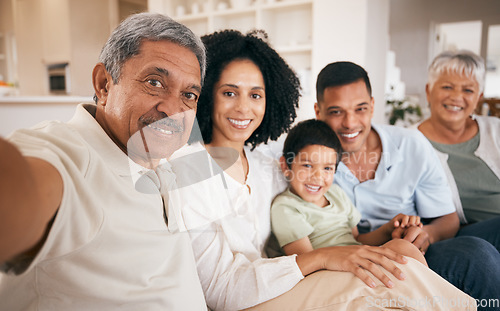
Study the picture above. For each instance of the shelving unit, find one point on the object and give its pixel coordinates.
(277, 18)
(309, 34)
(288, 23)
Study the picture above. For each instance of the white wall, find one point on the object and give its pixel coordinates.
(29, 38)
(59, 31)
(410, 25)
(492, 87)
(376, 50)
(356, 31)
(90, 25)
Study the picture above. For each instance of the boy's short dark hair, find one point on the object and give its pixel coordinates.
(310, 132)
(339, 74)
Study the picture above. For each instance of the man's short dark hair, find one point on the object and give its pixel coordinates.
(339, 74)
(310, 132)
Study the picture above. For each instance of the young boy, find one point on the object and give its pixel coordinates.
(312, 213)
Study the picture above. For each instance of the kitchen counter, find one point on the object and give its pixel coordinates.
(54, 99)
(25, 111)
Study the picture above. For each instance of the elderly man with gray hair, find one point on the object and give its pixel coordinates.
(75, 233)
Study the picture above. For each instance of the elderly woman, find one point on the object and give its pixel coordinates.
(249, 97)
(468, 145)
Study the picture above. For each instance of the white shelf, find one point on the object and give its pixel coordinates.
(288, 23)
(272, 16)
(191, 17)
(231, 11)
(304, 48)
(284, 3)
(308, 34)
(51, 99)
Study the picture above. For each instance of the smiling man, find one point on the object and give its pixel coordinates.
(386, 170)
(156, 100)
(75, 234)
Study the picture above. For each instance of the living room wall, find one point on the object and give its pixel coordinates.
(411, 23)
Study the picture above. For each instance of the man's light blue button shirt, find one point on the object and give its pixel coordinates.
(409, 179)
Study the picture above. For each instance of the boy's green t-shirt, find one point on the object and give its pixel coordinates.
(293, 219)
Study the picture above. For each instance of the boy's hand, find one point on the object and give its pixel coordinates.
(406, 221)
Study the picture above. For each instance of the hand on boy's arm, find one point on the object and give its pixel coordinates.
(392, 229)
(402, 225)
(410, 228)
(357, 259)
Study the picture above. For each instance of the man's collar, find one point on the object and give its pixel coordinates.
(85, 123)
(390, 151)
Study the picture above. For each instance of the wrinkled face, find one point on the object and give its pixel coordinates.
(453, 97)
(239, 103)
(311, 173)
(348, 110)
(149, 113)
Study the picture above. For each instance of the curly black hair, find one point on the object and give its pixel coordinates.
(281, 83)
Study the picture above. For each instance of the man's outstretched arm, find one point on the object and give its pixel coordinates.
(30, 193)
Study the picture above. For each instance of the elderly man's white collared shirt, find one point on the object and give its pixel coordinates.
(109, 247)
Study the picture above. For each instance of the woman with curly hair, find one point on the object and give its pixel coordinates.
(227, 46)
(249, 97)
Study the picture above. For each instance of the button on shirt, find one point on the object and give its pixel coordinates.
(409, 179)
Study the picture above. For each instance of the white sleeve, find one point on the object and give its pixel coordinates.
(232, 280)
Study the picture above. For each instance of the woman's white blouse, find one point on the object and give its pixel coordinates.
(232, 264)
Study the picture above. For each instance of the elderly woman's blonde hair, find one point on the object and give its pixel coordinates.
(461, 62)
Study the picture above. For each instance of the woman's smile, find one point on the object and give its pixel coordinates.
(240, 124)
